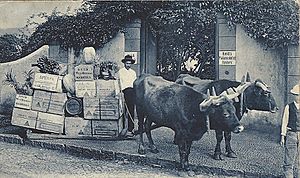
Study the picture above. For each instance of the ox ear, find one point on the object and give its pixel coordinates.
(263, 86)
(248, 77)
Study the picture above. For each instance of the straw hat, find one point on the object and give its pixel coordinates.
(295, 90)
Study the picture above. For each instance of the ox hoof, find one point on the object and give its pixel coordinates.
(154, 150)
(186, 173)
(231, 155)
(191, 173)
(141, 150)
(217, 156)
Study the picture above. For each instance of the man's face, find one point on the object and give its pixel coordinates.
(127, 65)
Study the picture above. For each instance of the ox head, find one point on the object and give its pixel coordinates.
(258, 96)
(222, 111)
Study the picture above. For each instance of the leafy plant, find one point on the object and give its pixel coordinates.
(25, 89)
(47, 65)
(107, 69)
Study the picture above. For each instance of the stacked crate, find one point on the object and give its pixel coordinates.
(98, 101)
(45, 109)
(101, 102)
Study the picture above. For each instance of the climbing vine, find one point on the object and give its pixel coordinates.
(184, 29)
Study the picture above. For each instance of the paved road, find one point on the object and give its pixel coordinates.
(19, 161)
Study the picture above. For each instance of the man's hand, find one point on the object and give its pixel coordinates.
(282, 140)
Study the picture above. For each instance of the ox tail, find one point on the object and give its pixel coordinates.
(155, 126)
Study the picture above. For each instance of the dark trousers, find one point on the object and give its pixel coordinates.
(130, 101)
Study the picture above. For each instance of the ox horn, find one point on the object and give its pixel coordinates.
(248, 77)
(207, 102)
(214, 91)
(262, 86)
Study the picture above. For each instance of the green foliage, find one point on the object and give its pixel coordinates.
(10, 47)
(25, 88)
(184, 29)
(272, 22)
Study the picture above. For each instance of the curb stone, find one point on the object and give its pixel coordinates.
(101, 154)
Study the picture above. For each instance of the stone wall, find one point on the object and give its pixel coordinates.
(266, 64)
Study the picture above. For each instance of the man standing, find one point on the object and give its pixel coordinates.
(290, 135)
(127, 77)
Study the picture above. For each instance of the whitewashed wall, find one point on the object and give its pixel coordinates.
(266, 64)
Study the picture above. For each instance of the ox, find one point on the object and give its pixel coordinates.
(182, 109)
(256, 96)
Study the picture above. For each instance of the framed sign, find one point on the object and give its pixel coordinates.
(227, 58)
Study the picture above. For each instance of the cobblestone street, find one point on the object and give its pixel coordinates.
(21, 161)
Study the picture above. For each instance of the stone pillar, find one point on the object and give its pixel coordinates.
(225, 49)
(133, 42)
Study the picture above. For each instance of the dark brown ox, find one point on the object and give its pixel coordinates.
(256, 96)
(182, 109)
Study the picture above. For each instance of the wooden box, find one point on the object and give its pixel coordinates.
(107, 88)
(107, 128)
(77, 126)
(91, 108)
(24, 118)
(50, 122)
(84, 72)
(85, 88)
(23, 101)
(109, 109)
(46, 82)
(57, 103)
(40, 100)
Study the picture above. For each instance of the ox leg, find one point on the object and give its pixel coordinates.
(153, 148)
(184, 151)
(141, 149)
(217, 154)
(229, 152)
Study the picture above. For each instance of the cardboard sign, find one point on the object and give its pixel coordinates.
(91, 108)
(46, 82)
(50, 122)
(23, 101)
(76, 126)
(84, 72)
(85, 88)
(24, 118)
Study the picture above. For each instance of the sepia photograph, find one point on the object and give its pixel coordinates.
(138, 89)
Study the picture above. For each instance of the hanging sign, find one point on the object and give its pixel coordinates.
(227, 58)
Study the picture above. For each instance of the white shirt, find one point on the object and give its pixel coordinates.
(127, 77)
(285, 118)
